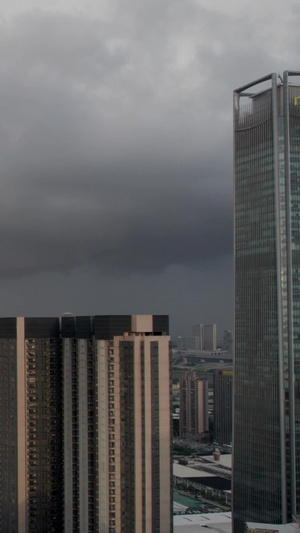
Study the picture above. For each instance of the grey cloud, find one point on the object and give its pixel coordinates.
(115, 137)
(96, 168)
(118, 228)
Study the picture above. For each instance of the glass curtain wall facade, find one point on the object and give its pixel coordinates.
(266, 467)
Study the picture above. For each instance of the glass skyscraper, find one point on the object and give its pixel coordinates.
(266, 467)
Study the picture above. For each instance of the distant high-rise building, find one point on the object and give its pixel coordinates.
(227, 340)
(223, 406)
(85, 400)
(187, 343)
(193, 406)
(266, 467)
(207, 334)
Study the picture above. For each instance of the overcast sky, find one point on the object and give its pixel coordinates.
(116, 151)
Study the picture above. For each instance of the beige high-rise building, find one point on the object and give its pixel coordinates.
(117, 431)
(85, 425)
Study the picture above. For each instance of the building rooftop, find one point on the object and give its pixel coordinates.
(221, 523)
(203, 523)
(225, 460)
(187, 472)
(281, 528)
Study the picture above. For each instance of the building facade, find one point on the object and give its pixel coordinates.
(120, 428)
(31, 426)
(266, 469)
(187, 343)
(207, 334)
(193, 420)
(223, 406)
(85, 425)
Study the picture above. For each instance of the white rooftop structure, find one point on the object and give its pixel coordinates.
(187, 471)
(204, 523)
(281, 528)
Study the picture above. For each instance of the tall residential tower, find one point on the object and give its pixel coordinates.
(117, 424)
(85, 425)
(266, 471)
(31, 422)
(193, 406)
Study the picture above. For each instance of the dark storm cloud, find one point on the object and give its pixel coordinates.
(97, 167)
(115, 133)
(116, 221)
